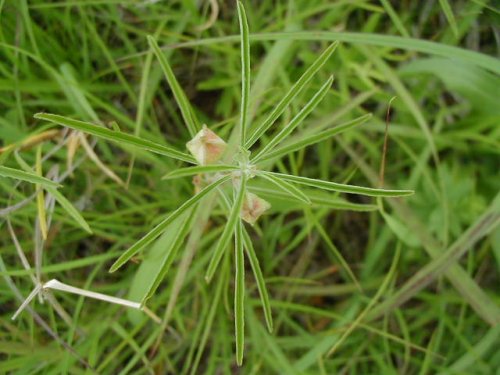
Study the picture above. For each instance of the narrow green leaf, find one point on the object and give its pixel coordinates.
(171, 251)
(59, 197)
(381, 290)
(445, 5)
(26, 176)
(335, 251)
(115, 136)
(180, 97)
(383, 40)
(296, 121)
(399, 228)
(156, 231)
(317, 197)
(189, 171)
(259, 279)
(286, 186)
(228, 230)
(295, 90)
(315, 138)
(484, 225)
(239, 293)
(245, 71)
(396, 20)
(69, 208)
(40, 197)
(343, 188)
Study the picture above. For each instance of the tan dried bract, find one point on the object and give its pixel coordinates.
(206, 146)
(253, 208)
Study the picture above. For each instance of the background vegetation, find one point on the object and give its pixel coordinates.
(428, 265)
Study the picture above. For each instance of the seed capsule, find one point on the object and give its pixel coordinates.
(206, 146)
(253, 208)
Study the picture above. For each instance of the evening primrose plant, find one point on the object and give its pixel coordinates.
(224, 171)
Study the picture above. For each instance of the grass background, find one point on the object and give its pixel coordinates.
(89, 60)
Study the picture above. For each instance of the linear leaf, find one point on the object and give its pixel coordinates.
(318, 198)
(485, 224)
(116, 136)
(343, 188)
(21, 175)
(381, 290)
(40, 198)
(315, 138)
(189, 171)
(381, 40)
(445, 5)
(171, 252)
(228, 229)
(156, 231)
(296, 121)
(180, 97)
(239, 293)
(259, 279)
(286, 186)
(245, 71)
(69, 208)
(335, 251)
(295, 90)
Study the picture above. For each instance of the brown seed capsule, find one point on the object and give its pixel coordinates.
(253, 208)
(206, 146)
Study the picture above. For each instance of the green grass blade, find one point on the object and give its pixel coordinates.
(60, 198)
(334, 250)
(381, 40)
(40, 197)
(228, 230)
(69, 208)
(343, 188)
(383, 287)
(156, 231)
(395, 18)
(286, 186)
(259, 279)
(180, 97)
(190, 171)
(245, 71)
(439, 265)
(296, 121)
(33, 178)
(116, 136)
(315, 138)
(445, 5)
(295, 90)
(239, 293)
(171, 252)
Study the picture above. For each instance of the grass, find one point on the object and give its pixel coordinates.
(343, 273)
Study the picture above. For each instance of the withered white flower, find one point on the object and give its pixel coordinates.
(253, 208)
(206, 146)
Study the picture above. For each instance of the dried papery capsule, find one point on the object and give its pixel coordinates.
(253, 208)
(197, 183)
(206, 146)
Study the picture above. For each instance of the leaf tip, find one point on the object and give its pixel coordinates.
(114, 267)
